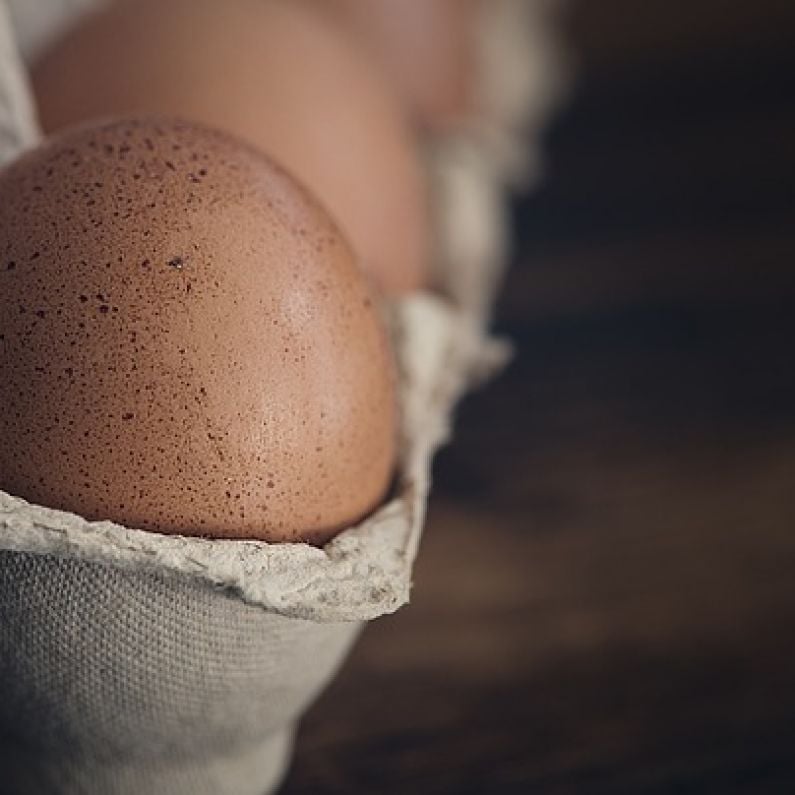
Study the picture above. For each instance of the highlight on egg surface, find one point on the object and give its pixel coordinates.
(186, 342)
(278, 74)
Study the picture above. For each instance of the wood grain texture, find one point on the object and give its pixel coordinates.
(605, 596)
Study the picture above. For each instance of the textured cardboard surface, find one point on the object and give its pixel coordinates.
(17, 119)
(115, 682)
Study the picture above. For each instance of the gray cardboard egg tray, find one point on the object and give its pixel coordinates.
(134, 662)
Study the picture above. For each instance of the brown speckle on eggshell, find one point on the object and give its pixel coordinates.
(186, 343)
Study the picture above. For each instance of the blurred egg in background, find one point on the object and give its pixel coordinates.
(425, 47)
(279, 75)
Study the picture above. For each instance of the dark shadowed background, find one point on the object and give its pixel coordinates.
(605, 595)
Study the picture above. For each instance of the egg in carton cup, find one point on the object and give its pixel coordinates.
(136, 662)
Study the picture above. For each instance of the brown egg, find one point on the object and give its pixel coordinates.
(276, 74)
(425, 47)
(186, 342)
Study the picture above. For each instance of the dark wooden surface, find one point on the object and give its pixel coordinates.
(605, 596)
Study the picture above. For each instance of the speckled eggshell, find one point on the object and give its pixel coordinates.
(277, 74)
(186, 343)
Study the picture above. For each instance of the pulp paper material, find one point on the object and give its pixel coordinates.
(523, 75)
(122, 682)
(37, 22)
(17, 119)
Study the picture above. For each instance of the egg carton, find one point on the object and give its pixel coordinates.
(134, 662)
